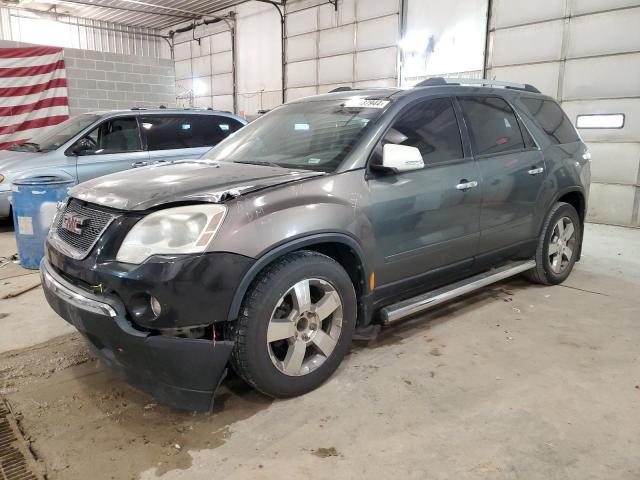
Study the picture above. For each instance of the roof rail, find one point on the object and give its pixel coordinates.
(435, 81)
(342, 89)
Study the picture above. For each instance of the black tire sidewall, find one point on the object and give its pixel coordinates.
(264, 373)
(563, 210)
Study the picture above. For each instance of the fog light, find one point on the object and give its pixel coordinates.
(155, 306)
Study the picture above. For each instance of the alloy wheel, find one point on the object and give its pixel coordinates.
(305, 327)
(561, 245)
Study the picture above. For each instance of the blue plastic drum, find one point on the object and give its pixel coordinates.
(34, 200)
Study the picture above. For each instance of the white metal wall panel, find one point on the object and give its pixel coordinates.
(182, 51)
(338, 69)
(221, 42)
(543, 75)
(183, 69)
(301, 74)
(295, 93)
(222, 84)
(385, 82)
(605, 33)
(222, 102)
(630, 107)
(611, 202)
(516, 12)
(222, 62)
(376, 64)
(302, 47)
(615, 163)
(336, 40)
(366, 9)
(329, 18)
(616, 76)
(514, 46)
(378, 33)
(201, 66)
(302, 22)
(590, 6)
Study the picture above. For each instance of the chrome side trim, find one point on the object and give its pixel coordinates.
(74, 298)
(418, 304)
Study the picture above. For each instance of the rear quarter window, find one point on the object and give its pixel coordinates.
(166, 132)
(553, 121)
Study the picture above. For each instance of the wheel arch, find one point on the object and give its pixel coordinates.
(342, 248)
(575, 197)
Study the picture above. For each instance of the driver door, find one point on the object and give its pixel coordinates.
(113, 146)
(425, 223)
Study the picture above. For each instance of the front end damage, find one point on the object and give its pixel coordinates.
(180, 372)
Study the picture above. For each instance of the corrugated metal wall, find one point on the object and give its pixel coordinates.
(70, 32)
(586, 53)
(357, 45)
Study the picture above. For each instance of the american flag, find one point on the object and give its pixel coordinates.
(33, 92)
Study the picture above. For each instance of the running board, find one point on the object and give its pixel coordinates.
(428, 300)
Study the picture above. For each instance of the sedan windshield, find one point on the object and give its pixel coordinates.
(313, 135)
(57, 136)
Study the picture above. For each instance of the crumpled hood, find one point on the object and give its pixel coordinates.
(195, 180)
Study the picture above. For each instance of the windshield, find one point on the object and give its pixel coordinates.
(59, 135)
(314, 135)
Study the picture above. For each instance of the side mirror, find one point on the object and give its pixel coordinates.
(82, 147)
(401, 158)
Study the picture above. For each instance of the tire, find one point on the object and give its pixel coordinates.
(548, 271)
(270, 310)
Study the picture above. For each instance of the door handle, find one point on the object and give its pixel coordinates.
(536, 171)
(139, 164)
(465, 185)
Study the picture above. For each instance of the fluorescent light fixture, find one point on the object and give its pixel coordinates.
(600, 120)
(302, 126)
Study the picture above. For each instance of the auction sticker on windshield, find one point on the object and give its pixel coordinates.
(366, 103)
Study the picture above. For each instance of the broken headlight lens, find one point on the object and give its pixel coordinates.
(172, 231)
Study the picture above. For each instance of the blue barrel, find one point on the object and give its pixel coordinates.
(34, 200)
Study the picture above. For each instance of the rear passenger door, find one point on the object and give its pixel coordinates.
(179, 136)
(426, 220)
(513, 174)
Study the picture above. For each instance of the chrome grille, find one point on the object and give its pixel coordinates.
(74, 244)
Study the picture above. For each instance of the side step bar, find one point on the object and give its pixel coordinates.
(428, 300)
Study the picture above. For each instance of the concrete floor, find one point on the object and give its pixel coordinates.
(517, 381)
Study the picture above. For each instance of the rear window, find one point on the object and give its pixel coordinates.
(493, 125)
(552, 119)
(166, 132)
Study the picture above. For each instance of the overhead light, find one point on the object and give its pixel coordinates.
(199, 87)
(600, 120)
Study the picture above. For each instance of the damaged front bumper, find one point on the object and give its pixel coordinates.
(180, 372)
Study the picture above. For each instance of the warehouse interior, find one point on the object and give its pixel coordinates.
(516, 380)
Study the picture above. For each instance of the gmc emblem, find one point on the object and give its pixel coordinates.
(74, 223)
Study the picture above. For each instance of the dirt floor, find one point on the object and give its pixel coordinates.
(516, 381)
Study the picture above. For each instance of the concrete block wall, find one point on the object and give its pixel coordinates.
(107, 81)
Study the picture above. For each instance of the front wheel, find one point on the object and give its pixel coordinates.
(295, 325)
(558, 245)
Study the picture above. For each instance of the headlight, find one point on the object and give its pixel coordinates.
(172, 231)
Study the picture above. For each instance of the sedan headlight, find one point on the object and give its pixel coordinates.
(172, 231)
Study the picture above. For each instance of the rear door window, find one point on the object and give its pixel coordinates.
(492, 124)
(552, 119)
(165, 132)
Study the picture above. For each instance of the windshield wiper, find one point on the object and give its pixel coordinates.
(32, 145)
(263, 163)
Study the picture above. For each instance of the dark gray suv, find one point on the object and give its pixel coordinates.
(329, 215)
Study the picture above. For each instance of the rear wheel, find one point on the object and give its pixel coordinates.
(295, 325)
(558, 245)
